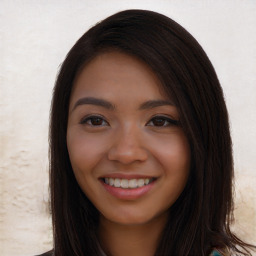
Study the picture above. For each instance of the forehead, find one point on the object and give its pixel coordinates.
(115, 73)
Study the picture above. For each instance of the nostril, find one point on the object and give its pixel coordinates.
(127, 156)
(127, 147)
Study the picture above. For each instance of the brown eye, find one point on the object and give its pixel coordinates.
(162, 121)
(159, 121)
(94, 121)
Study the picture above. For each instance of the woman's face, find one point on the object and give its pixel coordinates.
(127, 149)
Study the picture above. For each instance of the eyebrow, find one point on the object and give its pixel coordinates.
(155, 103)
(108, 105)
(94, 101)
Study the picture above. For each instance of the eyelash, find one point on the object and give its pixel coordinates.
(169, 121)
(166, 122)
(90, 118)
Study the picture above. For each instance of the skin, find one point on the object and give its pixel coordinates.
(128, 137)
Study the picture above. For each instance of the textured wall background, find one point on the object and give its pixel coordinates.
(35, 37)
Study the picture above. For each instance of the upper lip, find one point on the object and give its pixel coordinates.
(127, 176)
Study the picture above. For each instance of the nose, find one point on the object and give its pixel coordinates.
(127, 147)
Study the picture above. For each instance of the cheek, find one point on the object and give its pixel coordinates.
(174, 152)
(175, 158)
(85, 151)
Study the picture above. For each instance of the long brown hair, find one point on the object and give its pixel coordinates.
(201, 217)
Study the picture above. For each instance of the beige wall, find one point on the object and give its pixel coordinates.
(36, 35)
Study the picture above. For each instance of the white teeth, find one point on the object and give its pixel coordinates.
(111, 181)
(117, 183)
(140, 182)
(125, 183)
(146, 181)
(133, 183)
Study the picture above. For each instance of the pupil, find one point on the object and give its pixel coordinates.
(158, 122)
(96, 121)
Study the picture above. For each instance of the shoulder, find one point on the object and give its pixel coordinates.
(221, 252)
(215, 253)
(50, 253)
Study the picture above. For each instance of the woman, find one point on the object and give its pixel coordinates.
(140, 149)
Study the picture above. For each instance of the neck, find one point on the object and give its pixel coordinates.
(126, 240)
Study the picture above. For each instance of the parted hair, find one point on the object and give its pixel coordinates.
(200, 218)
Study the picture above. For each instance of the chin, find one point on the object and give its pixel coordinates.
(132, 218)
(132, 221)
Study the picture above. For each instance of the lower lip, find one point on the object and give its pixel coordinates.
(128, 193)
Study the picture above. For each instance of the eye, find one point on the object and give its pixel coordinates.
(94, 121)
(162, 121)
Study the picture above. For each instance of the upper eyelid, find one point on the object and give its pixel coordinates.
(167, 118)
(93, 115)
(164, 116)
(87, 117)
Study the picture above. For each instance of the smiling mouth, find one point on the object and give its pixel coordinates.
(128, 183)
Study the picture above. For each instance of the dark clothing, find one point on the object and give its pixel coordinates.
(50, 253)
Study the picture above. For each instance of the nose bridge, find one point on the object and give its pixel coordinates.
(127, 145)
(129, 136)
